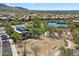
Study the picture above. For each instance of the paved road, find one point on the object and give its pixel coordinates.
(69, 44)
(0, 47)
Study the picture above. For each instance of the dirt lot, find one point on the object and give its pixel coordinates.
(44, 46)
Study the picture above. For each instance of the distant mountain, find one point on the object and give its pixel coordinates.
(3, 5)
(6, 7)
(21, 8)
(57, 11)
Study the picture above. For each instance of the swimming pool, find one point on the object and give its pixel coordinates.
(55, 24)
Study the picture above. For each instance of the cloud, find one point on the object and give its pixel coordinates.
(8, 4)
(33, 3)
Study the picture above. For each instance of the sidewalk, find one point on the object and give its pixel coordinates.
(14, 51)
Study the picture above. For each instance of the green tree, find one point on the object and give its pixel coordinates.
(66, 52)
(16, 36)
(76, 38)
(11, 32)
(39, 26)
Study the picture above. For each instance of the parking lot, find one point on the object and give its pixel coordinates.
(6, 48)
(0, 47)
(1, 32)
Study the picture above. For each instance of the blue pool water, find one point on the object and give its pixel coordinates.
(21, 27)
(57, 24)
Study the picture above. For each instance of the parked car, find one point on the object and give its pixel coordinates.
(29, 36)
(4, 37)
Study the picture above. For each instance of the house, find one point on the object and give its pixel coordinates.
(75, 21)
(2, 17)
(25, 18)
(10, 18)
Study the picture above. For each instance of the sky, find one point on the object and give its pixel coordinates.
(47, 6)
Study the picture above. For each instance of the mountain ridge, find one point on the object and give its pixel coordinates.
(6, 7)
